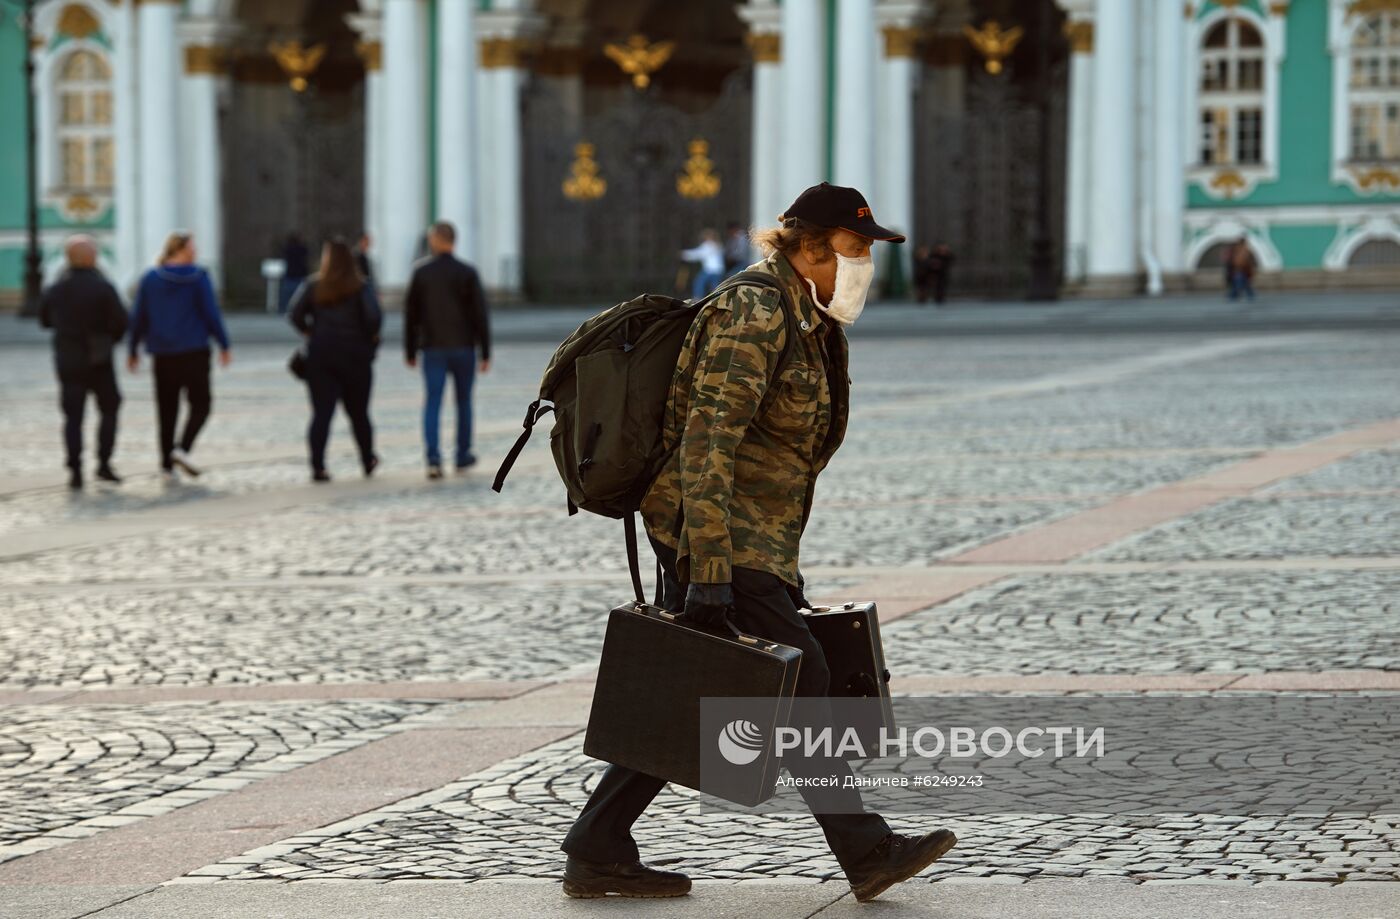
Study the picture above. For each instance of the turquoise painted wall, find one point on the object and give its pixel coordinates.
(1302, 246)
(1305, 124)
(12, 158)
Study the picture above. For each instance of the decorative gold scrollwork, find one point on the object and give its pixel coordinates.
(993, 42)
(699, 181)
(1228, 182)
(1376, 177)
(297, 61)
(585, 184)
(639, 58)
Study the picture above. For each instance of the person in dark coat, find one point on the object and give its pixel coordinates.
(940, 267)
(445, 318)
(175, 315)
(362, 247)
(88, 320)
(338, 312)
(297, 259)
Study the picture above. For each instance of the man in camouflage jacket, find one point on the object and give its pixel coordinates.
(753, 429)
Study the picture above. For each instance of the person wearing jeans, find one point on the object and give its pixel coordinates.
(175, 316)
(445, 318)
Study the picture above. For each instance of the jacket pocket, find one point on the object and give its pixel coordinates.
(792, 406)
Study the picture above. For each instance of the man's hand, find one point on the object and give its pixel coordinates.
(708, 604)
(486, 365)
(225, 357)
(133, 363)
(798, 594)
(411, 361)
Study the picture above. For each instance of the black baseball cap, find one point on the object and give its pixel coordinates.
(836, 206)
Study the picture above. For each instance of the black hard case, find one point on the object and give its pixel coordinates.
(850, 638)
(654, 672)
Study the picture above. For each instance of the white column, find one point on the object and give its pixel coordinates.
(370, 48)
(126, 198)
(1169, 185)
(1081, 37)
(456, 139)
(766, 43)
(505, 35)
(892, 198)
(856, 98)
(802, 156)
(405, 185)
(201, 204)
(1112, 206)
(158, 86)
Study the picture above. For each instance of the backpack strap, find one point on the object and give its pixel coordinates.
(532, 416)
(764, 279)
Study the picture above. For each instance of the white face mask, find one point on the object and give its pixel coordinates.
(853, 277)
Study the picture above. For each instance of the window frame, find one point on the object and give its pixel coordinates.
(1369, 176)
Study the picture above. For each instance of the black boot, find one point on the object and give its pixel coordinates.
(75, 478)
(587, 880)
(897, 858)
(106, 474)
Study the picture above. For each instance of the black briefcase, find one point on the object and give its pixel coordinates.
(646, 711)
(850, 638)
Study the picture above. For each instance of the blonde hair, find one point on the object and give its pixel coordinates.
(174, 243)
(789, 235)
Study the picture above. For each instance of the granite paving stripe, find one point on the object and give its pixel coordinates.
(270, 692)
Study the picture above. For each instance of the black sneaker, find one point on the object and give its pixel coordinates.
(320, 476)
(435, 472)
(897, 858)
(466, 464)
(105, 473)
(75, 479)
(589, 880)
(371, 464)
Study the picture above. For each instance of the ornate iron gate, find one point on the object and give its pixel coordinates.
(627, 240)
(976, 181)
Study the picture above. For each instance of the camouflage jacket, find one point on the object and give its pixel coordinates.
(749, 446)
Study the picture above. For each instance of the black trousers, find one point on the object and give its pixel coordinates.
(602, 832)
(74, 386)
(186, 373)
(346, 381)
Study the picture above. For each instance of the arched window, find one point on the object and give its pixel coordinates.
(84, 125)
(1376, 253)
(1374, 89)
(1231, 97)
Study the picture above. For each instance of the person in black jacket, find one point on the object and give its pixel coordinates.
(339, 314)
(88, 320)
(445, 317)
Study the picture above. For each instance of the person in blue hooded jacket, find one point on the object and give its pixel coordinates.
(175, 316)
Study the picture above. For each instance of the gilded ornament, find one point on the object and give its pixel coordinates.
(1081, 37)
(1366, 7)
(767, 47)
(81, 208)
(1228, 183)
(1278, 8)
(639, 58)
(585, 184)
(204, 59)
(699, 181)
(371, 54)
(297, 61)
(900, 41)
(77, 21)
(503, 52)
(994, 43)
(1376, 177)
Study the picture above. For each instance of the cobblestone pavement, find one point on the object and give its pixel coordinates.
(505, 822)
(253, 577)
(69, 772)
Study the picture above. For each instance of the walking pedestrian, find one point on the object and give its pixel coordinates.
(738, 493)
(175, 316)
(710, 255)
(737, 250)
(445, 317)
(297, 260)
(362, 247)
(338, 312)
(1239, 270)
(88, 320)
(940, 267)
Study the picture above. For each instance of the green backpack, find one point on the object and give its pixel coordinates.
(607, 386)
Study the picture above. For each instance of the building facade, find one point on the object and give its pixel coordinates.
(578, 144)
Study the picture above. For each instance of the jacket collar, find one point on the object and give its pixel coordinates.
(809, 315)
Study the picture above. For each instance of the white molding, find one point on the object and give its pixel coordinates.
(1294, 214)
(1272, 29)
(1341, 29)
(1352, 235)
(1230, 227)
